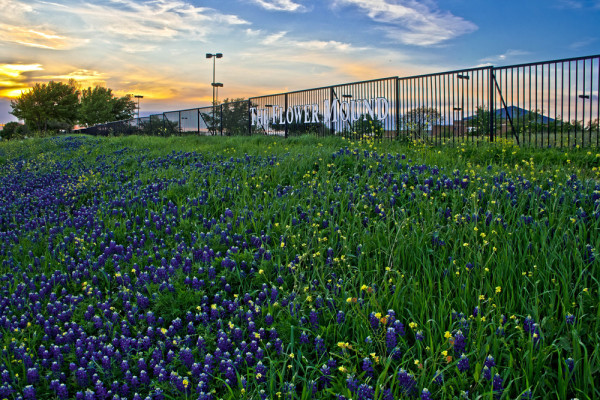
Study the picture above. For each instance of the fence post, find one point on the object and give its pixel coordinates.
(221, 119)
(397, 108)
(286, 121)
(249, 118)
(491, 96)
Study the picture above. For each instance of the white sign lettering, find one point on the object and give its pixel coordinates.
(333, 111)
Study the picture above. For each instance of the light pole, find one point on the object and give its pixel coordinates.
(214, 57)
(216, 85)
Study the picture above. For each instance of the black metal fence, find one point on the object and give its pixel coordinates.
(544, 104)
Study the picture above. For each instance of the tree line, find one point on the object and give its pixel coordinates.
(57, 106)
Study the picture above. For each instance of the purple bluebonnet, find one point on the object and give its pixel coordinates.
(419, 336)
(365, 392)
(425, 394)
(367, 367)
(489, 361)
(463, 363)
(390, 339)
(320, 346)
(497, 385)
(374, 321)
(325, 378)
(459, 343)
(29, 393)
(407, 382)
(570, 364)
(32, 376)
(352, 383)
(438, 377)
(570, 319)
(487, 373)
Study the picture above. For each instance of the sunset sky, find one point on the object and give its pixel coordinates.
(157, 48)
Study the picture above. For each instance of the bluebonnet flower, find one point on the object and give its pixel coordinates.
(320, 346)
(438, 377)
(314, 319)
(367, 367)
(261, 372)
(570, 364)
(386, 394)
(374, 321)
(487, 373)
(304, 338)
(399, 328)
(340, 318)
(29, 393)
(459, 343)
(463, 363)
(425, 394)
(390, 339)
(32, 376)
(489, 361)
(365, 392)
(407, 382)
(526, 395)
(352, 383)
(269, 320)
(497, 385)
(570, 319)
(419, 336)
(325, 378)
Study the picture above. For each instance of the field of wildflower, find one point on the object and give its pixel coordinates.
(261, 268)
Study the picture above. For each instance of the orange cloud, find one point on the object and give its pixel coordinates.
(36, 37)
(12, 79)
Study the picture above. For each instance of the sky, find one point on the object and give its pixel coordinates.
(157, 48)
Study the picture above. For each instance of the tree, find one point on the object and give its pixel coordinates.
(235, 116)
(99, 106)
(481, 121)
(420, 120)
(46, 103)
(10, 130)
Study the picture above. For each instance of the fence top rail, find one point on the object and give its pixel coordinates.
(562, 60)
(325, 87)
(456, 71)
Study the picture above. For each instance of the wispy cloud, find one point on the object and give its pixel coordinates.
(504, 57)
(158, 20)
(280, 5)
(577, 4)
(583, 43)
(274, 38)
(38, 37)
(411, 22)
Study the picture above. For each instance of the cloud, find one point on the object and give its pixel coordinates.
(411, 22)
(18, 26)
(273, 38)
(158, 20)
(14, 78)
(583, 43)
(280, 5)
(577, 4)
(509, 54)
(36, 37)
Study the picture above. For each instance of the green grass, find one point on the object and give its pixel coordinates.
(483, 239)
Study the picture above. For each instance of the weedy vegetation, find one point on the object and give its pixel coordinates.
(265, 268)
